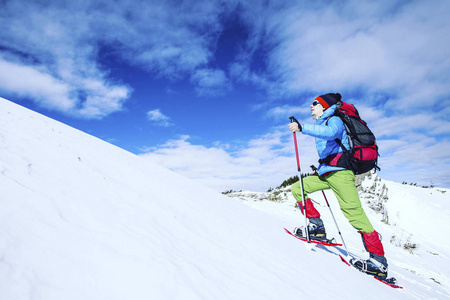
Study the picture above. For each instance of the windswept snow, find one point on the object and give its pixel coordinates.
(83, 219)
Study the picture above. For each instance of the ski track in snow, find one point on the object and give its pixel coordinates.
(83, 219)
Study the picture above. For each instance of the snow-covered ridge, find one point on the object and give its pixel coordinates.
(82, 219)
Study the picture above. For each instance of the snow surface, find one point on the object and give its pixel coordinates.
(83, 219)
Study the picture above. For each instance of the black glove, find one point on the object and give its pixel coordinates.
(298, 123)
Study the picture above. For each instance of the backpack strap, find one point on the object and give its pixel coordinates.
(342, 145)
(326, 122)
(338, 141)
(327, 159)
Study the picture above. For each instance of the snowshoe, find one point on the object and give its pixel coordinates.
(315, 232)
(371, 267)
(326, 242)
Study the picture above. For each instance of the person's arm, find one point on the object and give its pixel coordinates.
(327, 132)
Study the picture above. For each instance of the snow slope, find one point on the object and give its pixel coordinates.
(413, 222)
(83, 219)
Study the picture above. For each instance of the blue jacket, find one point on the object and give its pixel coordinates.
(325, 137)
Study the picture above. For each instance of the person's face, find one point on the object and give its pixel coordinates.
(316, 109)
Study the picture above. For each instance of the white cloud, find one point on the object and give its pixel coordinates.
(413, 148)
(210, 82)
(167, 39)
(282, 112)
(268, 160)
(422, 160)
(412, 155)
(393, 47)
(49, 56)
(158, 118)
(62, 43)
(28, 81)
(262, 163)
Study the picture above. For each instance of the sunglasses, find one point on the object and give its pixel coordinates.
(315, 103)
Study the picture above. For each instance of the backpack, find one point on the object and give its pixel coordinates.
(363, 153)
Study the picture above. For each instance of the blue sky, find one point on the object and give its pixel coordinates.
(206, 88)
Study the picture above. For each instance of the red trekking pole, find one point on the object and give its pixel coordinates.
(300, 177)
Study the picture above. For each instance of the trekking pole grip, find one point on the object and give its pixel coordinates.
(293, 119)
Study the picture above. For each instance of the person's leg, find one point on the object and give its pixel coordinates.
(343, 185)
(310, 184)
(373, 245)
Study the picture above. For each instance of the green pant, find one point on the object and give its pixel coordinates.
(342, 183)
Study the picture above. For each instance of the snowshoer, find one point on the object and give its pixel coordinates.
(340, 180)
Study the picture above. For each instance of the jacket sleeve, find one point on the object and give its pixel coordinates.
(327, 132)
